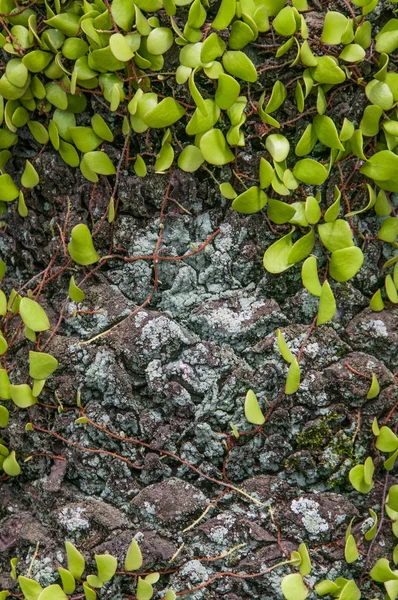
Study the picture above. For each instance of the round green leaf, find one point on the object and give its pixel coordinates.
(237, 64)
(310, 171)
(250, 201)
(327, 305)
(345, 263)
(190, 159)
(41, 365)
(214, 148)
(33, 315)
(293, 587)
(22, 395)
(8, 189)
(81, 247)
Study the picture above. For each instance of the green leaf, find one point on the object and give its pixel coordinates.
(276, 256)
(53, 592)
(68, 581)
(123, 13)
(386, 441)
(302, 248)
(310, 171)
(389, 230)
(285, 22)
(305, 565)
(22, 395)
(374, 389)
(327, 305)
(266, 173)
(356, 477)
(309, 276)
(75, 293)
(391, 290)
(345, 263)
(312, 210)
(214, 148)
(228, 91)
(68, 23)
(370, 534)
(164, 114)
(4, 416)
(76, 563)
(250, 201)
(353, 53)
(293, 587)
(326, 131)
(336, 235)
(37, 60)
(334, 27)
(237, 64)
(279, 212)
(392, 500)
(33, 315)
(350, 591)
(89, 593)
(376, 303)
(101, 128)
(81, 247)
(133, 560)
(283, 347)
(278, 96)
(213, 47)
(100, 163)
(306, 142)
(382, 572)
(8, 189)
(106, 566)
(12, 468)
(351, 553)
(252, 409)
(5, 392)
(84, 138)
(225, 14)
(327, 71)
(379, 93)
(29, 177)
(144, 590)
(293, 378)
(41, 365)
(30, 588)
(140, 166)
(278, 146)
(227, 191)
(389, 464)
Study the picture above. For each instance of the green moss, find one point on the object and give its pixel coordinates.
(317, 437)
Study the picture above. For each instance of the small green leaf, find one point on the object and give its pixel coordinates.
(386, 441)
(370, 534)
(310, 171)
(391, 290)
(33, 315)
(250, 201)
(345, 263)
(293, 378)
(305, 565)
(283, 347)
(327, 305)
(382, 572)
(68, 581)
(276, 256)
(144, 590)
(22, 395)
(351, 553)
(53, 592)
(334, 27)
(164, 114)
(190, 159)
(100, 163)
(75, 293)
(336, 235)
(76, 563)
(252, 409)
(293, 587)
(309, 276)
(106, 566)
(214, 148)
(278, 146)
(374, 389)
(11, 466)
(29, 177)
(41, 365)
(4, 416)
(8, 189)
(376, 303)
(30, 588)
(237, 64)
(81, 247)
(133, 560)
